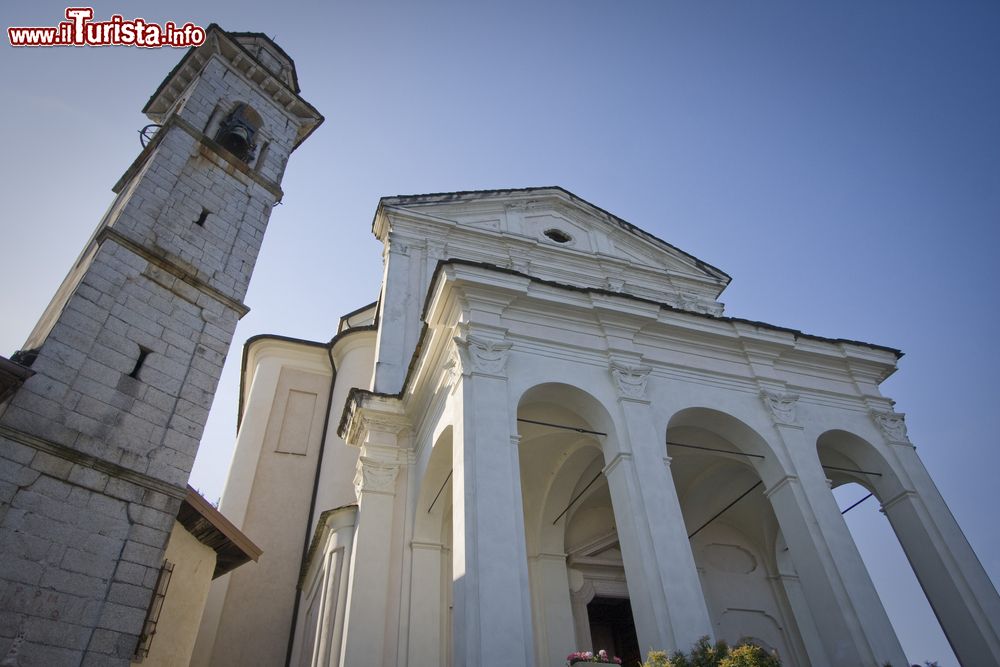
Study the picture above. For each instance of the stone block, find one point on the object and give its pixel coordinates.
(89, 478)
(122, 618)
(129, 595)
(142, 554)
(131, 573)
(53, 466)
(122, 490)
(74, 583)
(16, 474)
(103, 545)
(23, 545)
(20, 570)
(15, 451)
(56, 633)
(90, 564)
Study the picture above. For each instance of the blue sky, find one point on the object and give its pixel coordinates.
(840, 160)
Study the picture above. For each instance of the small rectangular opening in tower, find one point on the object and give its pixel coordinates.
(201, 218)
(143, 353)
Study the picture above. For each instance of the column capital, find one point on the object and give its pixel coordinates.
(375, 476)
(893, 426)
(480, 354)
(782, 406)
(630, 379)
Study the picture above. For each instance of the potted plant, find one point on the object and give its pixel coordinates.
(601, 657)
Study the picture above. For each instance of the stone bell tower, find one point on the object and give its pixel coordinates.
(97, 444)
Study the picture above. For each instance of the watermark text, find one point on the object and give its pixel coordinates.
(79, 29)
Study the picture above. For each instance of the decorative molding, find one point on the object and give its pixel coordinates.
(482, 355)
(452, 368)
(630, 380)
(898, 498)
(367, 413)
(557, 557)
(780, 484)
(781, 405)
(107, 467)
(429, 546)
(615, 285)
(175, 270)
(520, 265)
(892, 424)
(619, 457)
(373, 476)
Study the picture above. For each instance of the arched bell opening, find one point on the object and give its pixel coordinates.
(862, 481)
(238, 132)
(579, 592)
(719, 466)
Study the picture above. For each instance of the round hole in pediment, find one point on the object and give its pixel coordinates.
(558, 235)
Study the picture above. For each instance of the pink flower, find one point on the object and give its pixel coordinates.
(603, 655)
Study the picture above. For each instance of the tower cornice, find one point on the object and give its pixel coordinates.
(219, 42)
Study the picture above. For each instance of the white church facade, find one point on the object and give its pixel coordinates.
(545, 436)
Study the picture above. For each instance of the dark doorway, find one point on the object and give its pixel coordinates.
(612, 629)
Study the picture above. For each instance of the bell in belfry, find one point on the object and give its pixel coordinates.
(237, 132)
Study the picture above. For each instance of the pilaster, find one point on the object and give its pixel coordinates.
(492, 612)
(655, 548)
(380, 428)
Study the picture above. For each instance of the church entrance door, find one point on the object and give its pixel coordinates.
(612, 628)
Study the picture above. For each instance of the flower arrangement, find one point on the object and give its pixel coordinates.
(589, 656)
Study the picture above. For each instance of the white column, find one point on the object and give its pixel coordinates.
(553, 608)
(492, 612)
(845, 606)
(668, 604)
(368, 588)
(791, 589)
(425, 605)
(331, 623)
(959, 590)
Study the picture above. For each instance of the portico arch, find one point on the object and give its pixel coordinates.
(942, 560)
(430, 548)
(561, 471)
(597, 494)
(722, 469)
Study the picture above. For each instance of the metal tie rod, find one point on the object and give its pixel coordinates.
(712, 449)
(723, 510)
(577, 497)
(562, 426)
(439, 491)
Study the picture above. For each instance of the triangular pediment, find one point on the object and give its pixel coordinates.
(550, 234)
(553, 218)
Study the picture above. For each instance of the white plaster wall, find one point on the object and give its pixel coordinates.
(180, 615)
(353, 356)
(267, 496)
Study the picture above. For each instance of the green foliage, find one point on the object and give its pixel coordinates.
(749, 655)
(706, 654)
(657, 659)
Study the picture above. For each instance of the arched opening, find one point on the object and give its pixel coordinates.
(579, 591)
(431, 576)
(862, 480)
(238, 131)
(719, 467)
